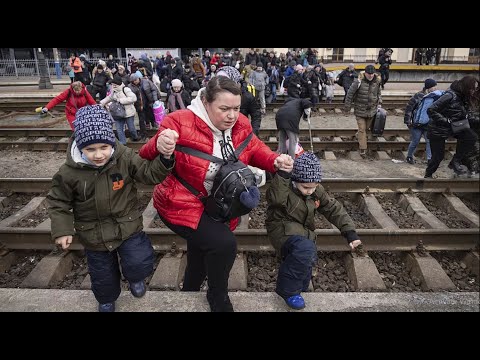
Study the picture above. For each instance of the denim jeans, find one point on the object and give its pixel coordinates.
(274, 91)
(416, 135)
(120, 125)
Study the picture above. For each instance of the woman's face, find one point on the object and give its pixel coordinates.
(224, 111)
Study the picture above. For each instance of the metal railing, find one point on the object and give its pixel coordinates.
(29, 67)
(373, 58)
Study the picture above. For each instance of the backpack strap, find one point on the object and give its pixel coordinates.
(190, 188)
(198, 153)
(205, 156)
(243, 145)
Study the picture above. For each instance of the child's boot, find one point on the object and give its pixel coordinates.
(296, 302)
(138, 289)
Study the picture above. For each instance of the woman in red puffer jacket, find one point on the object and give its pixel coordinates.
(210, 122)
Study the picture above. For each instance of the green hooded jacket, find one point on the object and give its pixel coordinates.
(104, 200)
(291, 213)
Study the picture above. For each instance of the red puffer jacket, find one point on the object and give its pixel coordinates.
(74, 102)
(171, 199)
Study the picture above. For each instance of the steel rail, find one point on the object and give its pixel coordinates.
(348, 145)
(264, 133)
(257, 240)
(352, 185)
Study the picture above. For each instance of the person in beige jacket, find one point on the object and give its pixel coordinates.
(126, 97)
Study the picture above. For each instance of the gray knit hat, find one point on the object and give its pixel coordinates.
(307, 169)
(93, 125)
(231, 73)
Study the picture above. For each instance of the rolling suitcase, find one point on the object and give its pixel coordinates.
(378, 124)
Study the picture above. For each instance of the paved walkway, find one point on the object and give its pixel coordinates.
(29, 300)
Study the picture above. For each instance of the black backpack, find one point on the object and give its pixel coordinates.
(232, 179)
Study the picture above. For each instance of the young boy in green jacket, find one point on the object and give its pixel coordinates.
(94, 196)
(292, 200)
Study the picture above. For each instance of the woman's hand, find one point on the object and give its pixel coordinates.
(166, 142)
(283, 162)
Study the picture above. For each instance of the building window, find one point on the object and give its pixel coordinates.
(474, 52)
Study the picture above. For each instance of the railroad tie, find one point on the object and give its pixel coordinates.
(170, 271)
(363, 273)
(429, 271)
(239, 273)
(471, 260)
(455, 205)
(414, 205)
(51, 269)
(372, 207)
(23, 212)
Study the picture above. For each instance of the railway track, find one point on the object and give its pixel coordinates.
(323, 140)
(264, 133)
(384, 235)
(414, 223)
(28, 102)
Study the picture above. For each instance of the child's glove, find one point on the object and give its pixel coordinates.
(250, 198)
(44, 110)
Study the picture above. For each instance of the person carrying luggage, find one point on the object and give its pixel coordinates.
(366, 94)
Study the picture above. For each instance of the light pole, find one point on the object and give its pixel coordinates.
(44, 82)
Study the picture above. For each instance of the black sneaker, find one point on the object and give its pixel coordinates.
(219, 303)
(410, 160)
(457, 167)
(108, 307)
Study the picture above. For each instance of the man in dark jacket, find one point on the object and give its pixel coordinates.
(99, 85)
(288, 123)
(385, 61)
(345, 79)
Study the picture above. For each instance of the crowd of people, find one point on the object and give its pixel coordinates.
(94, 196)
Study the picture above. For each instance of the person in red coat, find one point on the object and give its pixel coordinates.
(208, 124)
(76, 97)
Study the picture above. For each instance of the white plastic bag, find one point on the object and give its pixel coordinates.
(156, 80)
(281, 91)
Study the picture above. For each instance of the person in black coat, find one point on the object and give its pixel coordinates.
(288, 123)
(385, 61)
(453, 106)
(346, 78)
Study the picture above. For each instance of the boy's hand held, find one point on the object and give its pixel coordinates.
(355, 243)
(64, 241)
(166, 142)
